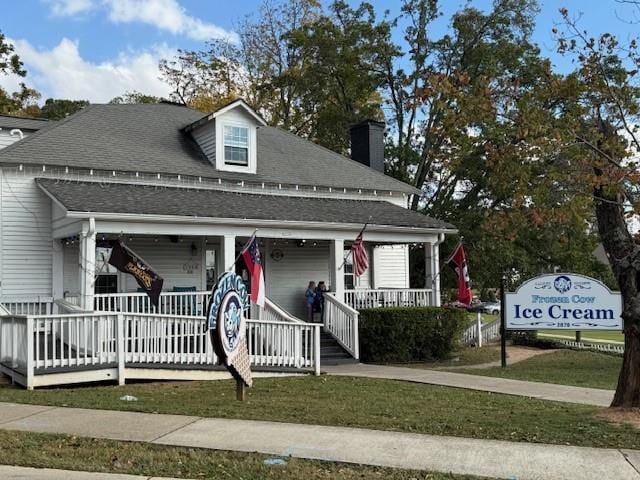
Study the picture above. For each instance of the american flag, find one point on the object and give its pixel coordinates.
(253, 260)
(359, 255)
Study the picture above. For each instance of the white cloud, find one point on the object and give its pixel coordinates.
(62, 72)
(67, 8)
(166, 15)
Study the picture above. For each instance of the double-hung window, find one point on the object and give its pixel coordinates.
(236, 145)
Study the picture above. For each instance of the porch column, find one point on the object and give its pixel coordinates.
(432, 270)
(228, 252)
(336, 256)
(57, 266)
(87, 264)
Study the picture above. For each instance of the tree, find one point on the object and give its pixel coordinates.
(472, 127)
(22, 102)
(57, 109)
(599, 108)
(308, 71)
(134, 97)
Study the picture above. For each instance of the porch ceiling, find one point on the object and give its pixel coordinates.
(119, 198)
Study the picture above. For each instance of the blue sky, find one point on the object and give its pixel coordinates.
(97, 49)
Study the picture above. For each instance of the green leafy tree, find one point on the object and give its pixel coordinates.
(22, 102)
(134, 97)
(309, 71)
(57, 109)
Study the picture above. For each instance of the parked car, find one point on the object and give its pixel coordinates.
(492, 308)
(476, 306)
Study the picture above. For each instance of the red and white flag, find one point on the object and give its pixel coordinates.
(458, 261)
(359, 255)
(253, 261)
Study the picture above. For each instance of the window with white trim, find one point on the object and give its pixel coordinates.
(236, 145)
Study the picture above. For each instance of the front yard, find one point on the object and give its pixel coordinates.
(358, 402)
(565, 367)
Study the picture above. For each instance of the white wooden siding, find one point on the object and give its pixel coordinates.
(286, 280)
(71, 269)
(7, 139)
(25, 237)
(172, 261)
(391, 266)
(205, 136)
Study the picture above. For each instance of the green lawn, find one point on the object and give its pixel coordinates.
(358, 402)
(566, 367)
(601, 335)
(463, 357)
(74, 453)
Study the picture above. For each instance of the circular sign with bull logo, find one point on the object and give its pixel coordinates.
(227, 324)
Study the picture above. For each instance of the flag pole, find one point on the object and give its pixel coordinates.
(351, 251)
(243, 250)
(433, 280)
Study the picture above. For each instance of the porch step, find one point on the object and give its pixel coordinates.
(331, 353)
(4, 380)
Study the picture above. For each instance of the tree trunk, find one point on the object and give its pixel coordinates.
(624, 256)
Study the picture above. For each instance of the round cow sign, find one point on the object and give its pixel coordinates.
(563, 301)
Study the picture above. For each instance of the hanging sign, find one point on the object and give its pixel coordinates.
(563, 301)
(227, 324)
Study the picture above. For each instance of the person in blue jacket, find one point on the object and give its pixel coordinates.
(310, 297)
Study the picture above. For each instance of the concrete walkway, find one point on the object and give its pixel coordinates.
(544, 391)
(26, 473)
(498, 459)
(514, 355)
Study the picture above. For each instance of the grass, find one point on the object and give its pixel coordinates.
(464, 357)
(566, 367)
(358, 402)
(75, 453)
(603, 336)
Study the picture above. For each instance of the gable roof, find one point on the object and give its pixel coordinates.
(149, 138)
(120, 198)
(23, 123)
(239, 103)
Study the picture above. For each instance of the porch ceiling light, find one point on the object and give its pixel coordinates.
(301, 243)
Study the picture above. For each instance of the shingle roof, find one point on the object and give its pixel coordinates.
(9, 121)
(155, 200)
(148, 138)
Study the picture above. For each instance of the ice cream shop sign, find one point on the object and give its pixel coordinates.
(563, 301)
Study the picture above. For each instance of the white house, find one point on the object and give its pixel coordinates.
(185, 192)
(13, 128)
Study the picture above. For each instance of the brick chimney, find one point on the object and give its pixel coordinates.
(367, 144)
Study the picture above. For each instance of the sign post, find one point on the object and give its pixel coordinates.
(503, 324)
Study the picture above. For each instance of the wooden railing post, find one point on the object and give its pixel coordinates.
(356, 337)
(120, 334)
(29, 350)
(316, 349)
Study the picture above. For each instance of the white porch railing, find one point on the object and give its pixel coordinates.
(171, 303)
(388, 297)
(31, 346)
(272, 312)
(28, 306)
(341, 321)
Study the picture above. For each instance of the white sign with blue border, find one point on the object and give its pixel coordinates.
(564, 301)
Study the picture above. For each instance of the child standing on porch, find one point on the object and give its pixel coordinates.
(310, 296)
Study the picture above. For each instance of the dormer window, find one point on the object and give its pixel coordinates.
(228, 137)
(236, 145)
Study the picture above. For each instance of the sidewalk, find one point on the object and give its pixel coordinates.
(544, 391)
(491, 458)
(27, 473)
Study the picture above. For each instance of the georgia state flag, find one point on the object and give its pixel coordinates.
(253, 261)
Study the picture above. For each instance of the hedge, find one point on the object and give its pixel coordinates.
(409, 334)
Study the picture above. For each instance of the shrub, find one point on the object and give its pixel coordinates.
(529, 338)
(410, 333)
